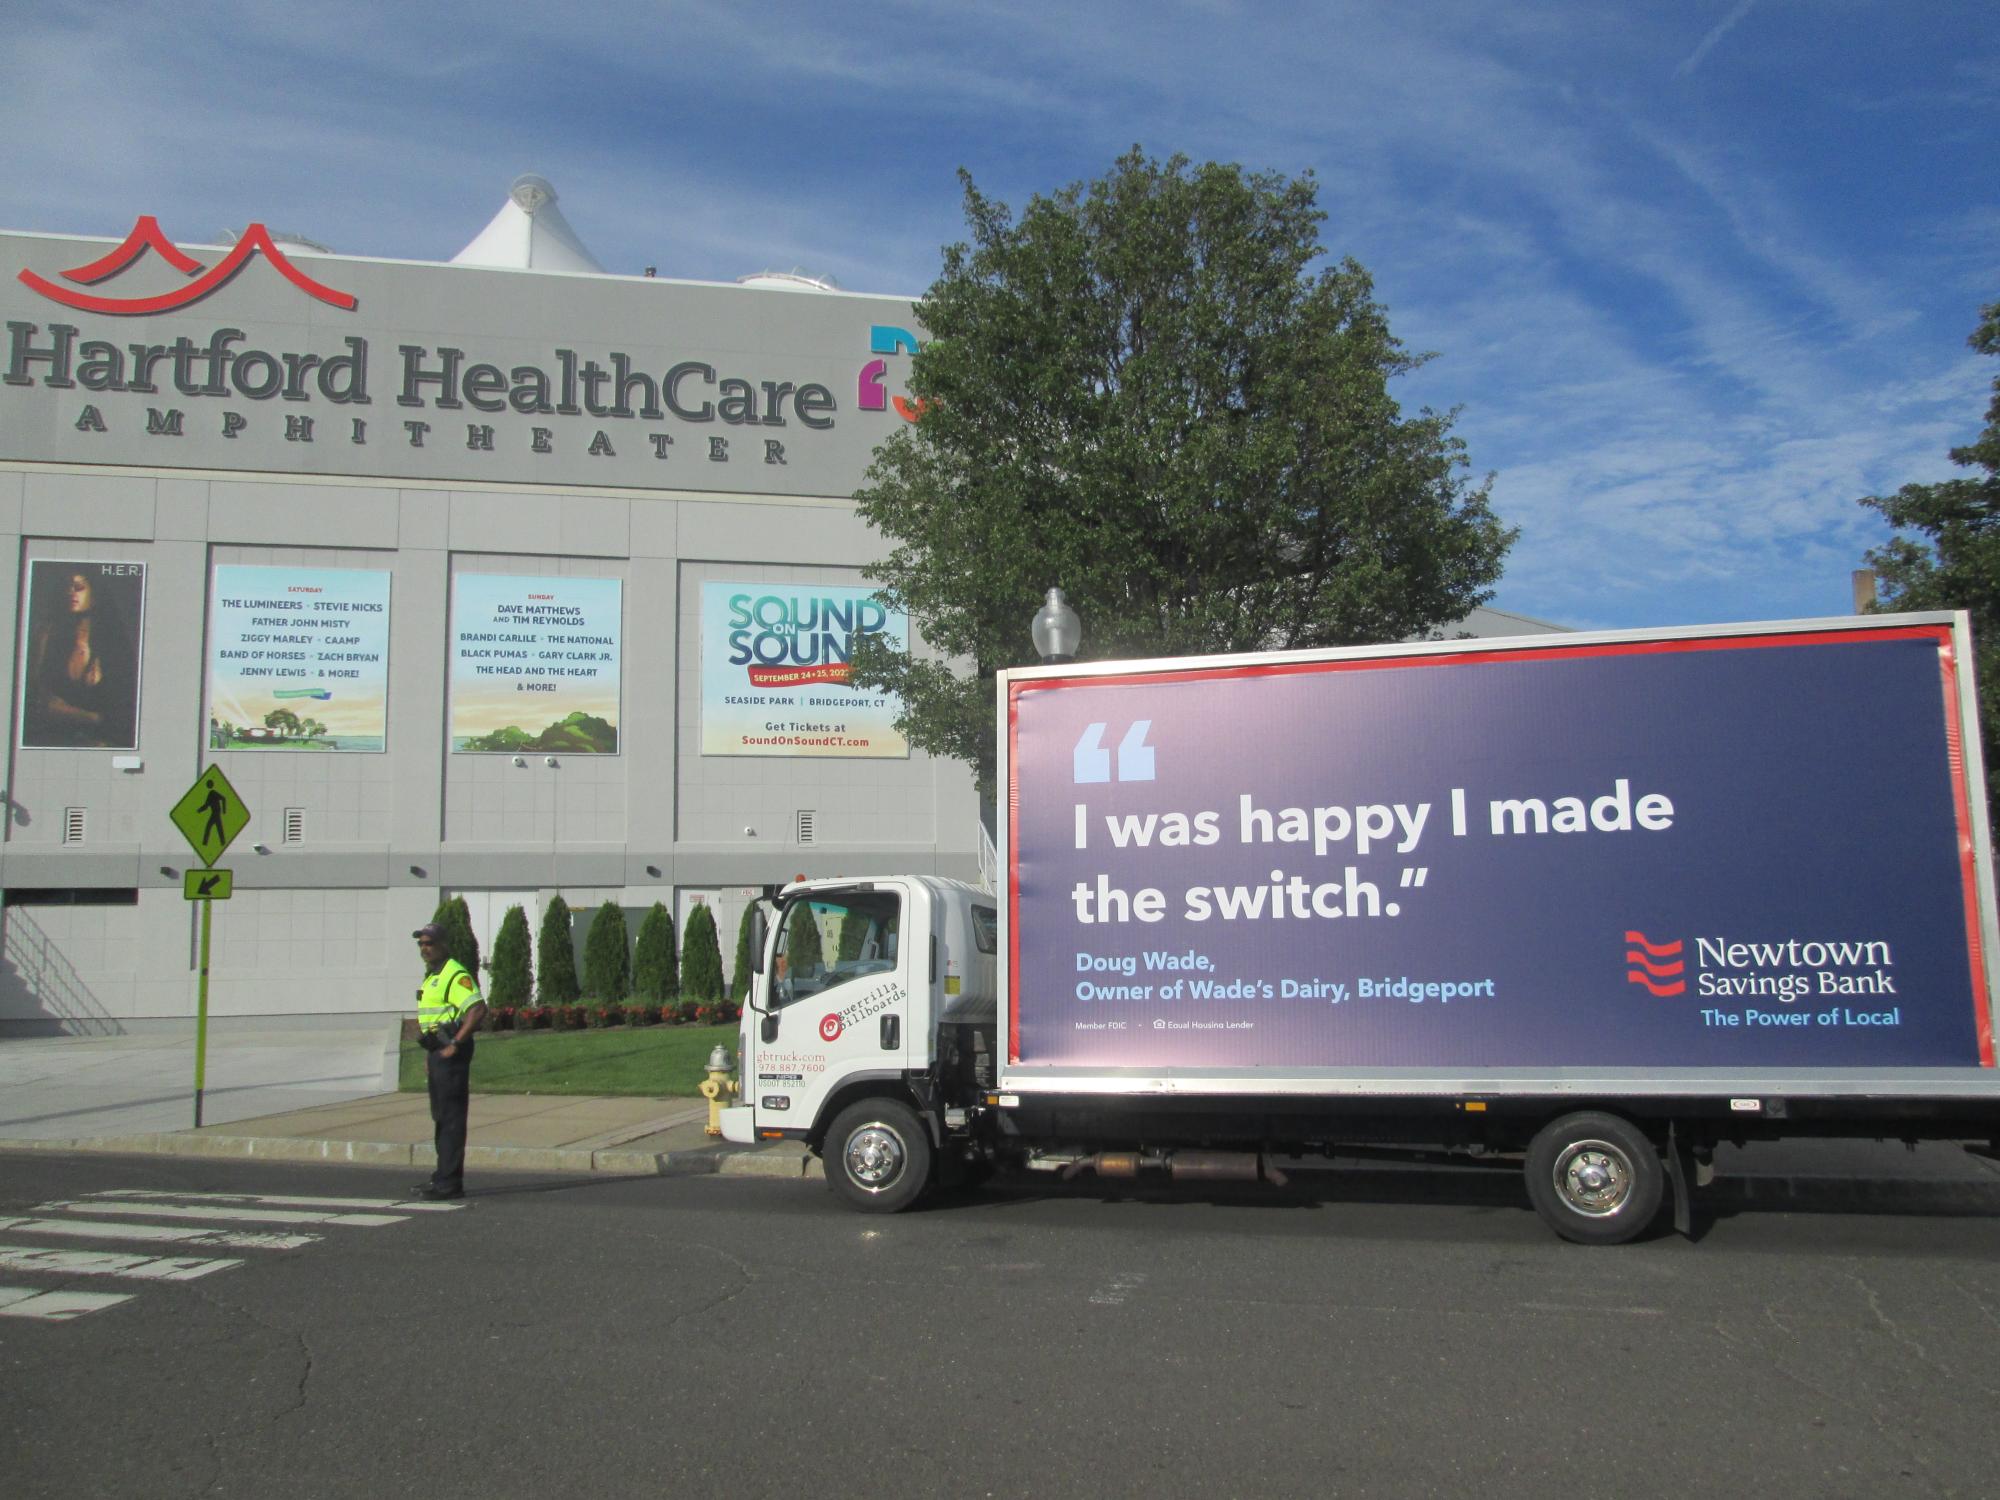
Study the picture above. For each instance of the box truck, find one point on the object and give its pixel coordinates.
(1584, 905)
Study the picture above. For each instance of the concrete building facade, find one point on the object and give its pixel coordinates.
(209, 437)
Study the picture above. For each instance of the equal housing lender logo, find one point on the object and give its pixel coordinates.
(1785, 970)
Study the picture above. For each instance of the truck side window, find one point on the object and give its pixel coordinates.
(824, 944)
(986, 929)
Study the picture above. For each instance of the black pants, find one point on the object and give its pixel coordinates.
(450, 1080)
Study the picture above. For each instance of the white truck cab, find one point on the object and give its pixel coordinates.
(861, 991)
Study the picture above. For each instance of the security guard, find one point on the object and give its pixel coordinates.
(448, 1012)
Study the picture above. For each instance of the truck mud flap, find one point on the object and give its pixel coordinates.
(1681, 1174)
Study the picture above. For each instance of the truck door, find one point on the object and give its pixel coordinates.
(839, 1003)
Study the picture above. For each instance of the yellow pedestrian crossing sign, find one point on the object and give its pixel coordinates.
(208, 885)
(210, 815)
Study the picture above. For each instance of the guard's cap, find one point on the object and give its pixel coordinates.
(429, 931)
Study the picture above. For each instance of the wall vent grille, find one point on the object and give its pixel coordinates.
(805, 825)
(295, 825)
(74, 825)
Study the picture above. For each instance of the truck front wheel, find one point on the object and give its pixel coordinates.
(1594, 1178)
(877, 1156)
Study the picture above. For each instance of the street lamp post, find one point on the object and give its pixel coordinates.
(1057, 630)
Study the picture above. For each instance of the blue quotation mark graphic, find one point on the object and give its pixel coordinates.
(1092, 762)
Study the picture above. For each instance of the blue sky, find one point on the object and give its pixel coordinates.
(1698, 274)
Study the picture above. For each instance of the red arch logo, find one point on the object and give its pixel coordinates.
(146, 235)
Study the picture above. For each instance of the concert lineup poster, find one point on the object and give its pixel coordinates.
(80, 655)
(535, 664)
(774, 664)
(1747, 852)
(298, 659)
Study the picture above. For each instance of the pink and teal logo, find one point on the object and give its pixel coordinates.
(873, 395)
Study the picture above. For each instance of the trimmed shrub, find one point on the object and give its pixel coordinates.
(656, 971)
(555, 957)
(853, 933)
(456, 919)
(607, 959)
(803, 950)
(701, 957)
(513, 974)
(739, 977)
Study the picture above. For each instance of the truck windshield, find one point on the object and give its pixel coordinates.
(832, 940)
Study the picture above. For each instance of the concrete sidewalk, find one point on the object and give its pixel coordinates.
(509, 1133)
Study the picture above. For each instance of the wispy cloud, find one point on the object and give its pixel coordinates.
(1716, 34)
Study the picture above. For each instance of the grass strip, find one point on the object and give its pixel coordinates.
(659, 1062)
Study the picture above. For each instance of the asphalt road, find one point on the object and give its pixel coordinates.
(1417, 1334)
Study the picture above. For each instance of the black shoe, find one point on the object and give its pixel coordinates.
(430, 1192)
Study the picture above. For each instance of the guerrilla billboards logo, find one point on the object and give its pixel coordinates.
(222, 364)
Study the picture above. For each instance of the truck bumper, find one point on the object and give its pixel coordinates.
(739, 1125)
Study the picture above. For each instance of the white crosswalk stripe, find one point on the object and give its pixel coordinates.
(126, 1215)
(26, 1302)
(283, 1200)
(109, 1263)
(180, 1234)
(218, 1211)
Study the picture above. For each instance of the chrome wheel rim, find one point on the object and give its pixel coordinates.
(875, 1157)
(1594, 1178)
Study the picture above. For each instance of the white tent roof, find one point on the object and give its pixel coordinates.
(529, 233)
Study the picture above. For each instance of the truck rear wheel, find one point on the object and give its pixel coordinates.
(877, 1156)
(1594, 1178)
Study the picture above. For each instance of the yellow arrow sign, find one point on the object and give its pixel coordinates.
(210, 815)
(208, 885)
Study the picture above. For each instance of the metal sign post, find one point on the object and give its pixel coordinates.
(209, 816)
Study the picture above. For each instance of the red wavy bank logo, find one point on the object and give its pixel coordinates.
(146, 235)
(1657, 966)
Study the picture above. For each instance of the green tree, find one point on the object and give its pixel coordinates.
(803, 950)
(513, 976)
(1154, 392)
(283, 721)
(461, 941)
(701, 956)
(739, 976)
(607, 958)
(1946, 554)
(853, 933)
(555, 956)
(655, 971)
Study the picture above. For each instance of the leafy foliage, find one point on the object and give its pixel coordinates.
(853, 933)
(607, 957)
(513, 978)
(701, 957)
(655, 968)
(1947, 552)
(1142, 391)
(804, 951)
(460, 940)
(555, 956)
(739, 976)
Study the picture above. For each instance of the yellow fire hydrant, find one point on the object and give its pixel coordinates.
(718, 1086)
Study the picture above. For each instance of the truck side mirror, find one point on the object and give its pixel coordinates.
(760, 928)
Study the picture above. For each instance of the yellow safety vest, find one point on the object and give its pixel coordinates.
(438, 1002)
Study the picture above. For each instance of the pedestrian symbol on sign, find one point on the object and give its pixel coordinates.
(210, 815)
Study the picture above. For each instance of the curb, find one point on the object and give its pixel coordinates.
(702, 1161)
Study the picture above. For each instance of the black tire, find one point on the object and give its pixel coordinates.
(1594, 1178)
(877, 1156)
